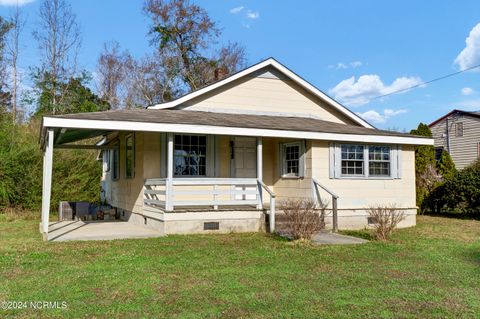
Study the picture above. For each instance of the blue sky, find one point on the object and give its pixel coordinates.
(352, 50)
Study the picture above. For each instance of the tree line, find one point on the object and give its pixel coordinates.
(186, 50)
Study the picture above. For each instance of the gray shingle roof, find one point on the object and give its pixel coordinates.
(231, 120)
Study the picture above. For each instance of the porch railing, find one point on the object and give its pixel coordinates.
(201, 192)
(316, 188)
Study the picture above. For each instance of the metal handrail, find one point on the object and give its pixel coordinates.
(271, 219)
(315, 181)
(335, 197)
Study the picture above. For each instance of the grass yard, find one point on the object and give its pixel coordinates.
(431, 271)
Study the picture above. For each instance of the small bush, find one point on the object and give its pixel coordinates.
(460, 193)
(386, 220)
(302, 218)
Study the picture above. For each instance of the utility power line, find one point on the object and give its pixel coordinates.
(425, 83)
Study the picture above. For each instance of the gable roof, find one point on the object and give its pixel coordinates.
(455, 111)
(270, 62)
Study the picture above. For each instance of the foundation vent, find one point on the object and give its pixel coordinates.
(211, 226)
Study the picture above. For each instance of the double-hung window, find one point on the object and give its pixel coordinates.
(190, 155)
(353, 160)
(379, 161)
(292, 159)
(364, 161)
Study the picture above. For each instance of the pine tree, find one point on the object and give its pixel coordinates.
(445, 166)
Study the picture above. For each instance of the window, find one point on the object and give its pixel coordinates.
(130, 155)
(106, 160)
(459, 129)
(292, 159)
(379, 161)
(364, 161)
(352, 160)
(189, 155)
(115, 162)
(438, 153)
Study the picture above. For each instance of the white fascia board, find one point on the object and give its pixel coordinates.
(269, 62)
(224, 130)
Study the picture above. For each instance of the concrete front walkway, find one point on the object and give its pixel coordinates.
(336, 239)
(97, 230)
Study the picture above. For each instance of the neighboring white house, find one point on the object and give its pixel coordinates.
(213, 159)
(458, 132)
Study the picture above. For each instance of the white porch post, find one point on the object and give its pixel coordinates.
(169, 184)
(260, 171)
(47, 181)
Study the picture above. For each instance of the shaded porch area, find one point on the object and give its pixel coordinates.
(97, 230)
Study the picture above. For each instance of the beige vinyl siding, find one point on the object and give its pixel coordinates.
(363, 193)
(463, 149)
(268, 95)
(355, 194)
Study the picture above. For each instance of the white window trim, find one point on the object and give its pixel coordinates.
(301, 160)
(336, 162)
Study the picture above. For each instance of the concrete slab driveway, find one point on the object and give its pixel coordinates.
(97, 230)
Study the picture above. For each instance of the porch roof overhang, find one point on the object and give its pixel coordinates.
(73, 127)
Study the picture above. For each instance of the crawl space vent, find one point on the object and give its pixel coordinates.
(211, 226)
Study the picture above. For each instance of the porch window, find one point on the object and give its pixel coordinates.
(115, 162)
(292, 159)
(130, 155)
(190, 155)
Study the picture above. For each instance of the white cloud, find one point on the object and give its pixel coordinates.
(376, 117)
(253, 15)
(236, 9)
(342, 65)
(14, 2)
(358, 92)
(356, 64)
(467, 91)
(470, 55)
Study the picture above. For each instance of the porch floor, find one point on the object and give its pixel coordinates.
(97, 230)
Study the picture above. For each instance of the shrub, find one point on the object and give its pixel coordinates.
(460, 193)
(386, 220)
(302, 217)
(446, 166)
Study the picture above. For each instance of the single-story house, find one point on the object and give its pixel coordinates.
(222, 157)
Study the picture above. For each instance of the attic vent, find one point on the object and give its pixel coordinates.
(211, 226)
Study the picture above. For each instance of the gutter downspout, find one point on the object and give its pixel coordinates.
(448, 136)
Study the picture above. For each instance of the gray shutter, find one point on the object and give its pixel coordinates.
(302, 160)
(280, 158)
(335, 160)
(399, 161)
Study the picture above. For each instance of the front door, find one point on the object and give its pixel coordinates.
(245, 157)
(244, 162)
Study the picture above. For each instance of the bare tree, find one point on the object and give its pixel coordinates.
(58, 37)
(13, 50)
(150, 80)
(111, 69)
(184, 33)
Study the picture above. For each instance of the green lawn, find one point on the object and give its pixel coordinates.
(430, 271)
